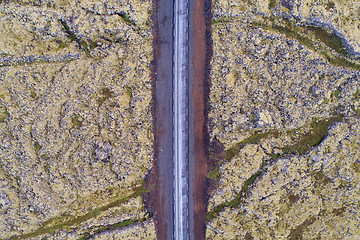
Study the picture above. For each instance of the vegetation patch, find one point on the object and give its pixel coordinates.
(61, 44)
(33, 92)
(4, 114)
(82, 43)
(297, 233)
(106, 93)
(356, 166)
(355, 110)
(126, 18)
(76, 122)
(253, 139)
(318, 130)
(220, 20)
(293, 198)
(330, 39)
(306, 34)
(103, 228)
(128, 91)
(67, 221)
(37, 147)
(336, 93)
(330, 5)
(214, 174)
(320, 178)
(272, 4)
(339, 211)
(237, 200)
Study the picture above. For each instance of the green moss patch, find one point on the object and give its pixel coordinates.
(76, 122)
(330, 39)
(318, 131)
(237, 200)
(220, 20)
(98, 229)
(307, 36)
(320, 178)
(87, 46)
(126, 18)
(272, 4)
(214, 174)
(4, 114)
(297, 232)
(37, 147)
(106, 94)
(355, 110)
(72, 35)
(67, 221)
(255, 138)
(33, 92)
(336, 93)
(128, 91)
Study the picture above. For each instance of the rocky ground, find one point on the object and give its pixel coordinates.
(285, 108)
(76, 131)
(75, 121)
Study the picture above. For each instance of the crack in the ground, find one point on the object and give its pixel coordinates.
(37, 59)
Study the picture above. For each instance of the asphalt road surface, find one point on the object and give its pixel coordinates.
(172, 126)
(180, 119)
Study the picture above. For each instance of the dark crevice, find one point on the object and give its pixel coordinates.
(122, 14)
(67, 221)
(82, 43)
(37, 59)
(344, 56)
(97, 230)
(297, 232)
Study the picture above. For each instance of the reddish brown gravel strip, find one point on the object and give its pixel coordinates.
(201, 32)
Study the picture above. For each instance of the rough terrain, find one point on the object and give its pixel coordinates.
(284, 120)
(75, 119)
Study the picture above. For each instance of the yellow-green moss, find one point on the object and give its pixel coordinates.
(317, 132)
(105, 94)
(76, 122)
(67, 221)
(4, 114)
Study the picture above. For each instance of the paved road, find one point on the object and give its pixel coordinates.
(172, 124)
(180, 119)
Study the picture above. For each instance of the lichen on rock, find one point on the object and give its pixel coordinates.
(74, 143)
(284, 104)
